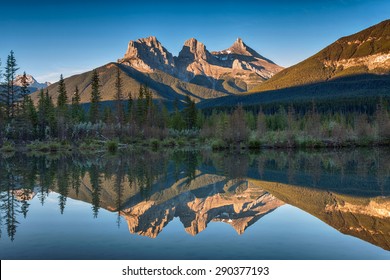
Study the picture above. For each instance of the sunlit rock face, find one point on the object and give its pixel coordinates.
(233, 70)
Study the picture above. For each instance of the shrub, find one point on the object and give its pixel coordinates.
(254, 144)
(218, 144)
(112, 146)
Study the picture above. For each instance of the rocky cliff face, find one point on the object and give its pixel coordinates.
(241, 57)
(233, 70)
(147, 55)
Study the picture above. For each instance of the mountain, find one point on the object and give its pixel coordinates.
(366, 52)
(356, 66)
(234, 70)
(33, 85)
(164, 87)
(195, 72)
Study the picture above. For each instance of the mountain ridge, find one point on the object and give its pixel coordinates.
(367, 51)
(238, 66)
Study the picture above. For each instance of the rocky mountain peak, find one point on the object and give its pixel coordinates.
(195, 64)
(194, 50)
(240, 48)
(31, 81)
(147, 54)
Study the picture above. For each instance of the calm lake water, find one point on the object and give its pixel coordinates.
(196, 205)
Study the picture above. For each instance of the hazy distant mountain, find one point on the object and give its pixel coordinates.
(33, 85)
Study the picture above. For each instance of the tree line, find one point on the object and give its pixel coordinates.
(145, 120)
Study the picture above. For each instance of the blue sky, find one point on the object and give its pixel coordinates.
(72, 37)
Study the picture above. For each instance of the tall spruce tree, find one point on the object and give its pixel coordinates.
(129, 107)
(62, 95)
(77, 111)
(9, 93)
(95, 97)
(62, 109)
(24, 91)
(119, 97)
(190, 113)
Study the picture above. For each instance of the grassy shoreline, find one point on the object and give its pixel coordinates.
(114, 145)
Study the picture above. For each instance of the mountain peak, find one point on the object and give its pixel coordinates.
(239, 42)
(148, 54)
(194, 50)
(31, 81)
(149, 40)
(239, 47)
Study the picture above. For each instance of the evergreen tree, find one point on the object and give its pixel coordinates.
(177, 121)
(24, 91)
(9, 95)
(119, 97)
(46, 115)
(129, 106)
(62, 108)
(141, 108)
(76, 110)
(62, 95)
(190, 113)
(95, 98)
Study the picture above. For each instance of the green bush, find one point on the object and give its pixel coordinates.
(112, 146)
(154, 143)
(218, 144)
(254, 144)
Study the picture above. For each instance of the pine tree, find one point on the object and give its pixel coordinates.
(62, 108)
(119, 97)
(24, 91)
(42, 115)
(141, 108)
(95, 97)
(190, 113)
(77, 111)
(129, 106)
(62, 95)
(9, 94)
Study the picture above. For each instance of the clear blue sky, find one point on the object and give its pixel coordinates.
(72, 37)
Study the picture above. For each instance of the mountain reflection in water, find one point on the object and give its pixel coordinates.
(349, 191)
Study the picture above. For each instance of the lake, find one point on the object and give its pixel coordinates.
(274, 204)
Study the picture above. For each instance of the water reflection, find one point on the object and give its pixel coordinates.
(348, 190)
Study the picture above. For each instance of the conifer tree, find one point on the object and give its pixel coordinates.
(24, 88)
(141, 108)
(62, 108)
(76, 110)
(95, 97)
(119, 97)
(190, 113)
(62, 95)
(9, 93)
(129, 106)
